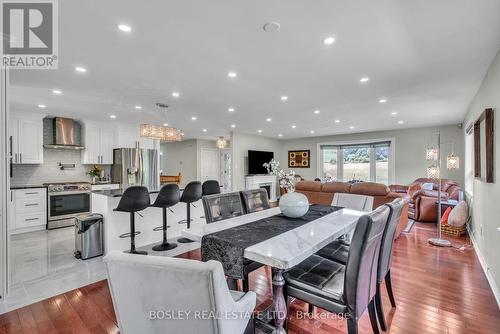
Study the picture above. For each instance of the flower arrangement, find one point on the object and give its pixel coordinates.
(95, 171)
(286, 180)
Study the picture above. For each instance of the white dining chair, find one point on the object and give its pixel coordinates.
(353, 201)
(148, 291)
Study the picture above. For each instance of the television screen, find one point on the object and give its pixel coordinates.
(256, 159)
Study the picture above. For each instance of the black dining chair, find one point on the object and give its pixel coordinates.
(168, 196)
(191, 193)
(133, 200)
(343, 289)
(255, 200)
(338, 251)
(220, 207)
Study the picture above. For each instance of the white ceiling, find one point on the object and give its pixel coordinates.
(426, 57)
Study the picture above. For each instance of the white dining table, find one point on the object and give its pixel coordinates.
(285, 250)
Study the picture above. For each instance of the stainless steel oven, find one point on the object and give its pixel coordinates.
(65, 202)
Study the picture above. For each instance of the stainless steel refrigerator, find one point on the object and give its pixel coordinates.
(136, 167)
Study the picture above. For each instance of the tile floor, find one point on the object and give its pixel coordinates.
(42, 265)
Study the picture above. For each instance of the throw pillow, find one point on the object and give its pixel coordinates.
(446, 214)
(428, 186)
(458, 216)
(413, 188)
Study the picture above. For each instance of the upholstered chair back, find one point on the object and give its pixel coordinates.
(210, 187)
(147, 290)
(361, 267)
(222, 206)
(135, 198)
(192, 192)
(385, 258)
(255, 200)
(353, 201)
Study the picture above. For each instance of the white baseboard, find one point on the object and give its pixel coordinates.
(484, 265)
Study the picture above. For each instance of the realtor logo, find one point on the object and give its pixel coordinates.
(29, 34)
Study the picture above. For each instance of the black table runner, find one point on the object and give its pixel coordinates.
(227, 246)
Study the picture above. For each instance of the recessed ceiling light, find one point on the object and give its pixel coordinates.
(383, 100)
(317, 112)
(176, 94)
(401, 122)
(165, 124)
(364, 79)
(329, 40)
(204, 130)
(269, 119)
(124, 27)
(194, 118)
(311, 132)
(280, 135)
(232, 74)
(138, 107)
(294, 126)
(42, 106)
(351, 127)
(284, 98)
(230, 109)
(337, 121)
(394, 113)
(271, 27)
(233, 125)
(259, 131)
(80, 69)
(112, 116)
(56, 91)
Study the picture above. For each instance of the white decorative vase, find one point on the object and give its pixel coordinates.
(294, 205)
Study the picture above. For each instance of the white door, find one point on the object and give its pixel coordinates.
(91, 154)
(30, 138)
(210, 165)
(107, 146)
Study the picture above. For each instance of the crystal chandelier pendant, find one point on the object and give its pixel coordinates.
(163, 133)
(452, 161)
(433, 172)
(431, 153)
(221, 143)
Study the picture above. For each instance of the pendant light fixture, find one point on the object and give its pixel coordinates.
(221, 142)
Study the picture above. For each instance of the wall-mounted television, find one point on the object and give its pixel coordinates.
(256, 160)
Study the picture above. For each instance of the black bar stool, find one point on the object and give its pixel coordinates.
(192, 193)
(134, 199)
(210, 187)
(168, 196)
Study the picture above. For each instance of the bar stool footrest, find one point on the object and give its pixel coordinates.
(128, 234)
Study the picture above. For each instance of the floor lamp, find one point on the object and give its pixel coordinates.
(434, 172)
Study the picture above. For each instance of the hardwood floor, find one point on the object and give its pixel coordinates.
(437, 290)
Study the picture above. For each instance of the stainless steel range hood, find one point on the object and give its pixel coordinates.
(62, 133)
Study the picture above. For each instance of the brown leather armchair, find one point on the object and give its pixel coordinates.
(423, 207)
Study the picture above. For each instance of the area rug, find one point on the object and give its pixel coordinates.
(409, 226)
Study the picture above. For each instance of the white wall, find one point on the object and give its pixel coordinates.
(410, 146)
(240, 144)
(180, 157)
(484, 197)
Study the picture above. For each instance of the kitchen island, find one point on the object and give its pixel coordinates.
(117, 223)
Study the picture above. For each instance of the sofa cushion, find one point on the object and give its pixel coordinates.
(414, 187)
(336, 187)
(370, 189)
(308, 186)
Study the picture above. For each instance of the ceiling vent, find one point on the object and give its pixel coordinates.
(161, 105)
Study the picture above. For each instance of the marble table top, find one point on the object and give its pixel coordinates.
(288, 249)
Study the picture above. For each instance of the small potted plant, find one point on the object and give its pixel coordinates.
(94, 173)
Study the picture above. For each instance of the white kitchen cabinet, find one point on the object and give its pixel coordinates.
(26, 140)
(129, 137)
(99, 145)
(28, 210)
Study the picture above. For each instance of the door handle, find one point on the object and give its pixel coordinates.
(20, 158)
(15, 158)
(10, 146)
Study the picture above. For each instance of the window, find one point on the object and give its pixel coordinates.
(367, 162)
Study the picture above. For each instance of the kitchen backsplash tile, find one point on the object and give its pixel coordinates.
(49, 171)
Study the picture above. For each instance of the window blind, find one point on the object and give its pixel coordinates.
(365, 145)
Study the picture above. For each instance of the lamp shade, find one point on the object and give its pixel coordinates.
(432, 153)
(452, 161)
(433, 172)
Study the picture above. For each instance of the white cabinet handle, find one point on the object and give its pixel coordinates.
(32, 204)
(20, 158)
(32, 193)
(30, 219)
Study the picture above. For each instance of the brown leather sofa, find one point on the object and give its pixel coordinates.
(423, 207)
(322, 193)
